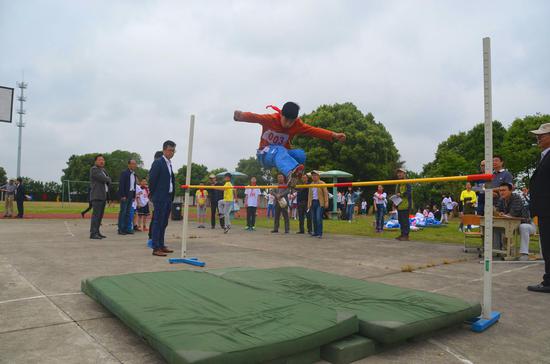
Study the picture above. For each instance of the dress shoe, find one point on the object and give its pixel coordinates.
(95, 237)
(539, 288)
(166, 250)
(122, 233)
(101, 235)
(274, 231)
(159, 253)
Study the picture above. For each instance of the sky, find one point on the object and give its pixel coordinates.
(107, 75)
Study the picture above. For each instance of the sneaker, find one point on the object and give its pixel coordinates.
(295, 175)
(225, 230)
(274, 231)
(252, 228)
(524, 258)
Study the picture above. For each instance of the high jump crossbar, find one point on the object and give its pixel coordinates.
(467, 178)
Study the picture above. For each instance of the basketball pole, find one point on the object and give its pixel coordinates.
(184, 259)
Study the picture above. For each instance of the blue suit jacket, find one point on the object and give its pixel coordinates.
(159, 182)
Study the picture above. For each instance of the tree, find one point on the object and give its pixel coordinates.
(3, 176)
(369, 152)
(462, 152)
(78, 169)
(216, 171)
(252, 167)
(518, 149)
(199, 173)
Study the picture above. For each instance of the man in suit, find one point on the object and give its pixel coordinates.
(99, 189)
(162, 186)
(20, 197)
(127, 193)
(539, 187)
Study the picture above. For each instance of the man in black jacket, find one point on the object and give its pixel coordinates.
(20, 197)
(99, 190)
(127, 193)
(303, 212)
(215, 196)
(539, 187)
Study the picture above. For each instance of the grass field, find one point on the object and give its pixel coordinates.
(362, 225)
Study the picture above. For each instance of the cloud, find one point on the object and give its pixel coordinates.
(126, 75)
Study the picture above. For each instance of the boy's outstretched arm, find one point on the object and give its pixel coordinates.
(321, 133)
(250, 117)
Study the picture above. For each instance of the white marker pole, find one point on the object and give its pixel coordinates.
(488, 236)
(187, 182)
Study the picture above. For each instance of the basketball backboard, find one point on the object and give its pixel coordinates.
(6, 104)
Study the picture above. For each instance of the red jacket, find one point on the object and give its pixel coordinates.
(274, 133)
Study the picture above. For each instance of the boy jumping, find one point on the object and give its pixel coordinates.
(278, 130)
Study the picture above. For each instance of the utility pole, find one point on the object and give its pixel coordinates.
(21, 111)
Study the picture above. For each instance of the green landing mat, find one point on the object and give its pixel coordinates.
(387, 314)
(196, 317)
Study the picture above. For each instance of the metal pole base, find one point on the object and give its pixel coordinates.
(479, 324)
(192, 261)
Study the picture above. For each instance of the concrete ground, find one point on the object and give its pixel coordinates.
(44, 318)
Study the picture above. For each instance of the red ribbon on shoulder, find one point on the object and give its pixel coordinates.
(274, 108)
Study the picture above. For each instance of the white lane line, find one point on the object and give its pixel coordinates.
(41, 296)
(480, 279)
(447, 349)
(68, 229)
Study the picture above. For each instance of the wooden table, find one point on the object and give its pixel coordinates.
(511, 230)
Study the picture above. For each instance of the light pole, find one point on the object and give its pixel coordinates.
(21, 111)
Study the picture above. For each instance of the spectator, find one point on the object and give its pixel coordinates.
(270, 205)
(20, 197)
(99, 190)
(158, 155)
(215, 196)
(511, 205)
(162, 188)
(9, 188)
(251, 196)
(363, 207)
(340, 202)
(200, 198)
(280, 195)
(447, 207)
(404, 191)
(293, 197)
(317, 202)
(142, 199)
(350, 199)
(539, 187)
(225, 205)
(479, 188)
(85, 211)
(468, 198)
(437, 213)
(501, 175)
(127, 194)
(303, 212)
(379, 205)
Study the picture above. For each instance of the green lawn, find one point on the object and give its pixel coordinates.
(46, 207)
(364, 226)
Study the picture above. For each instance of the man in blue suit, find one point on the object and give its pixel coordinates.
(127, 193)
(162, 186)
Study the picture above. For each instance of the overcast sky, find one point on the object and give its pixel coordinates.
(106, 75)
